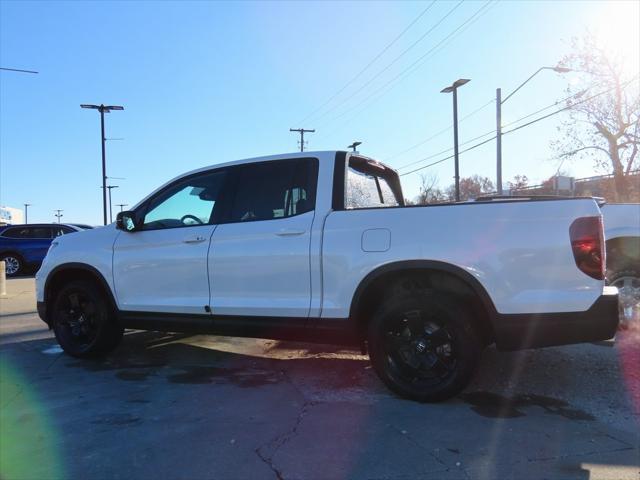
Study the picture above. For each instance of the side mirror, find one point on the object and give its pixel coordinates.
(127, 221)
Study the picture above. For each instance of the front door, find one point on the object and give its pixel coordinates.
(162, 265)
(259, 259)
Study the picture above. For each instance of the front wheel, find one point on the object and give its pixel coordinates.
(83, 321)
(423, 346)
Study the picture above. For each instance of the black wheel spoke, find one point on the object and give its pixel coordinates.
(439, 337)
(420, 347)
(415, 322)
(74, 301)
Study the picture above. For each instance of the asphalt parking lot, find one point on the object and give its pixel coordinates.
(197, 407)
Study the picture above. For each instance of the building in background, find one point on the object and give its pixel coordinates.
(11, 216)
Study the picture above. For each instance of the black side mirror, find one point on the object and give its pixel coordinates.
(127, 221)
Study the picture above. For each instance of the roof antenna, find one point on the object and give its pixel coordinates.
(354, 145)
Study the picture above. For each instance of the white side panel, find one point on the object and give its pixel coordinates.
(163, 270)
(519, 251)
(93, 247)
(262, 268)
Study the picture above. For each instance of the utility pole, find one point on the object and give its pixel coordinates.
(454, 89)
(121, 205)
(499, 140)
(302, 131)
(26, 212)
(354, 145)
(109, 187)
(102, 109)
(58, 214)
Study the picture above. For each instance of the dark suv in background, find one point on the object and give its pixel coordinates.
(23, 247)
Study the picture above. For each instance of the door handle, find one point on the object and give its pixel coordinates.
(289, 233)
(195, 239)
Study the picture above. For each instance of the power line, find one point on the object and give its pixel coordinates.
(467, 142)
(382, 52)
(443, 43)
(17, 70)
(450, 156)
(377, 75)
(441, 132)
(539, 119)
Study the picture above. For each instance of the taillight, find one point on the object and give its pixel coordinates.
(587, 242)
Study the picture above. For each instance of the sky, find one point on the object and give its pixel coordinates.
(208, 82)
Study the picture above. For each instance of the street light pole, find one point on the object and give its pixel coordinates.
(58, 214)
(109, 187)
(26, 212)
(499, 102)
(103, 109)
(121, 205)
(454, 89)
(104, 166)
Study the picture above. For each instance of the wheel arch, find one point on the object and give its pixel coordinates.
(76, 271)
(622, 250)
(449, 278)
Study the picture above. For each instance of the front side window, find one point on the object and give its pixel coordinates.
(187, 203)
(276, 189)
(370, 185)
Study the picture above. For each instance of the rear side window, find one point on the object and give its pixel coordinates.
(28, 232)
(273, 190)
(370, 185)
(57, 231)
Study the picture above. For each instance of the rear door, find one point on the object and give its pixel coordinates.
(259, 261)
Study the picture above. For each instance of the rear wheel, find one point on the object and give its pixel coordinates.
(83, 321)
(13, 264)
(423, 346)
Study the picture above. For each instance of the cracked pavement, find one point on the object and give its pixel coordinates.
(175, 406)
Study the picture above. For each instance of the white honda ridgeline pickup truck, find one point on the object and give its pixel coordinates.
(319, 246)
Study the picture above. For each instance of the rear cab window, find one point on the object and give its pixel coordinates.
(370, 184)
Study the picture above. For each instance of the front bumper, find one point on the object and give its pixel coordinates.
(42, 311)
(520, 331)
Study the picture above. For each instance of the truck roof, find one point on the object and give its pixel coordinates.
(322, 155)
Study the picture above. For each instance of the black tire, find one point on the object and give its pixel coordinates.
(83, 321)
(423, 346)
(627, 279)
(13, 260)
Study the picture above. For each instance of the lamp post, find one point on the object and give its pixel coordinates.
(26, 212)
(58, 214)
(499, 102)
(453, 88)
(102, 109)
(109, 187)
(121, 205)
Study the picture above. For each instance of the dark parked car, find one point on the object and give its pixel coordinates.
(23, 247)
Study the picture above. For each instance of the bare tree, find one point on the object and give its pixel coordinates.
(603, 118)
(519, 182)
(429, 192)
